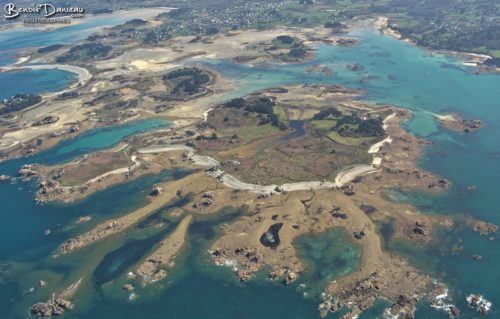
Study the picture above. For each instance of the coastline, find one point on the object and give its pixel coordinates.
(142, 13)
(386, 148)
(469, 59)
(83, 74)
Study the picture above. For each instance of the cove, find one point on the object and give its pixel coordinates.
(34, 81)
(328, 255)
(91, 141)
(24, 221)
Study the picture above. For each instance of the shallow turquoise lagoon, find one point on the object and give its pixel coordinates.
(34, 81)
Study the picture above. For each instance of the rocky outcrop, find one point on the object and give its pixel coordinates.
(479, 303)
(207, 199)
(27, 171)
(440, 183)
(358, 293)
(483, 228)
(245, 261)
(458, 124)
(287, 274)
(155, 267)
(53, 307)
(97, 233)
(156, 191)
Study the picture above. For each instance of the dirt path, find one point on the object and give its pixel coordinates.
(231, 181)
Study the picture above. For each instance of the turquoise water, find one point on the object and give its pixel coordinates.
(402, 74)
(40, 81)
(394, 72)
(328, 256)
(18, 198)
(27, 37)
(34, 81)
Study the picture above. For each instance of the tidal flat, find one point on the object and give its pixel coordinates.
(392, 73)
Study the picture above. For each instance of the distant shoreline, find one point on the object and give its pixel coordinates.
(469, 59)
(133, 13)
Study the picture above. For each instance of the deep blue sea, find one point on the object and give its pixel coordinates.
(394, 72)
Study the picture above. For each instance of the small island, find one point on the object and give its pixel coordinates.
(456, 123)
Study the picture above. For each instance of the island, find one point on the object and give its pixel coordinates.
(294, 159)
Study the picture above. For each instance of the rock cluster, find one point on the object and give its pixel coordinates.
(349, 189)
(27, 171)
(441, 183)
(53, 307)
(151, 271)
(58, 173)
(472, 125)
(207, 199)
(479, 303)
(128, 287)
(419, 228)
(360, 294)
(156, 191)
(440, 300)
(484, 228)
(246, 261)
(92, 236)
(359, 234)
(288, 275)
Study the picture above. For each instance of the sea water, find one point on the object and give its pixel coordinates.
(394, 72)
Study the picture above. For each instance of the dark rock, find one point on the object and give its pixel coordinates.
(271, 237)
(156, 191)
(359, 234)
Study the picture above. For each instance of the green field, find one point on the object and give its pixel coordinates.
(278, 110)
(353, 141)
(281, 45)
(323, 124)
(249, 133)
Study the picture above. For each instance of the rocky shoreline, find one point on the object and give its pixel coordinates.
(456, 123)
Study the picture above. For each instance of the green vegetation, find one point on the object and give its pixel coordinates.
(236, 103)
(297, 53)
(19, 102)
(329, 113)
(353, 141)
(285, 42)
(84, 52)
(187, 81)
(249, 133)
(493, 62)
(347, 129)
(278, 110)
(353, 126)
(50, 48)
(266, 109)
(324, 124)
(135, 22)
(463, 25)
